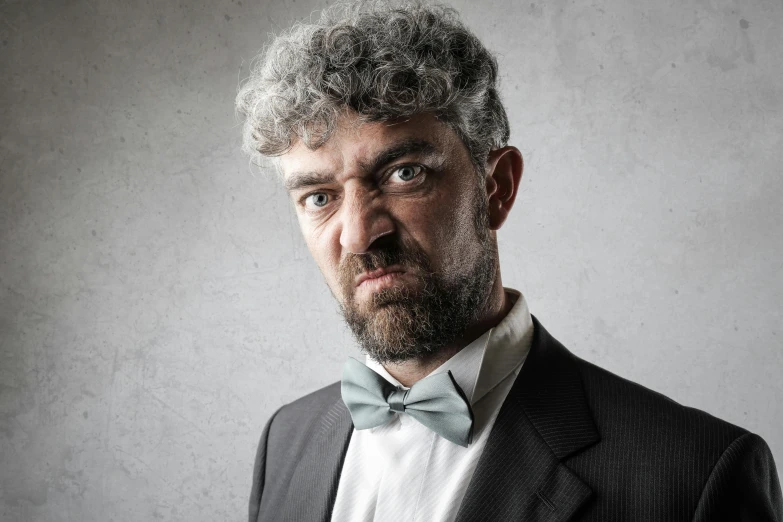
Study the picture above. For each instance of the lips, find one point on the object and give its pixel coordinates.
(377, 273)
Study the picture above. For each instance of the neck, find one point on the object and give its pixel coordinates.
(410, 372)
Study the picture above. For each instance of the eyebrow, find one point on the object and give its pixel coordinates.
(299, 180)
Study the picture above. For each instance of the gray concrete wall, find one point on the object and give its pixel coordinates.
(157, 302)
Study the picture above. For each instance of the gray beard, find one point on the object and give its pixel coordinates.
(416, 323)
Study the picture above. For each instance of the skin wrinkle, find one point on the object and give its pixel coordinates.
(441, 231)
(298, 180)
(329, 96)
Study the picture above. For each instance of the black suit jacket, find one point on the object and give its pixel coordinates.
(571, 442)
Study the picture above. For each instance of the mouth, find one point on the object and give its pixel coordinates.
(382, 275)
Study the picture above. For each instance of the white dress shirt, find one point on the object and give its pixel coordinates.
(404, 472)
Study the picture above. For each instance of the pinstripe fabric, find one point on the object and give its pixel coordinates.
(314, 482)
(571, 442)
(750, 454)
(544, 418)
(299, 459)
(656, 457)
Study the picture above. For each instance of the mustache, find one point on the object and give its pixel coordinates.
(373, 261)
(356, 264)
(387, 251)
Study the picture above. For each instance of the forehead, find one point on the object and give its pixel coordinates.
(354, 143)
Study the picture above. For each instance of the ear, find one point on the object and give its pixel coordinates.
(504, 172)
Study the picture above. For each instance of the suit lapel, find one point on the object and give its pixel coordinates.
(314, 483)
(519, 476)
(544, 420)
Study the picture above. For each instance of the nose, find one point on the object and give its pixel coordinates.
(363, 221)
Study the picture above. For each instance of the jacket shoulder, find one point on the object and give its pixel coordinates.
(286, 434)
(618, 403)
(291, 427)
(309, 406)
(661, 458)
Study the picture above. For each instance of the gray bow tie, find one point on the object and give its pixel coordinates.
(436, 401)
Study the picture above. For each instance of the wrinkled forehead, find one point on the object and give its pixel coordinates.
(355, 143)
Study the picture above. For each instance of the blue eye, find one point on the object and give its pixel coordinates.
(407, 172)
(320, 199)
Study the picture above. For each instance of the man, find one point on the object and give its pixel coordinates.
(393, 145)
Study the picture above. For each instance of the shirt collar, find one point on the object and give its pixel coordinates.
(490, 358)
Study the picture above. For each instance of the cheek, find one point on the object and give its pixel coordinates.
(443, 229)
(321, 252)
(458, 236)
(452, 214)
(325, 254)
(316, 237)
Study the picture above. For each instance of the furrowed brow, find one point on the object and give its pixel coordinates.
(403, 148)
(300, 180)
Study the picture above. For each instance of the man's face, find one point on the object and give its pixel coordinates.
(404, 198)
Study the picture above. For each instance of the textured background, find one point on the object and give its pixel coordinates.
(157, 302)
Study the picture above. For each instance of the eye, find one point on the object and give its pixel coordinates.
(406, 172)
(319, 199)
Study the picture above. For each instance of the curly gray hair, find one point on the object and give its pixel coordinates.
(384, 62)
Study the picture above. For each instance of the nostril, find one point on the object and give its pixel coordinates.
(382, 234)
